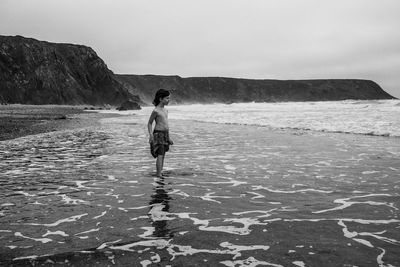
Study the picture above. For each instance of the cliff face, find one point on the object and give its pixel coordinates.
(228, 90)
(37, 72)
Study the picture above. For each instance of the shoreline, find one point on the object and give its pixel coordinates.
(23, 120)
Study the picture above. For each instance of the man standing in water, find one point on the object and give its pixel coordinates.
(159, 137)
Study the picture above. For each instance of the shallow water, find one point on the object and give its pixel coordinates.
(234, 195)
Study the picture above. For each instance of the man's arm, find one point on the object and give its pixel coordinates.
(150, 125)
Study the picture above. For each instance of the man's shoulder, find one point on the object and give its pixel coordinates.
(159, 110)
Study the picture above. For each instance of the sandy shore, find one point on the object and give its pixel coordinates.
(22, 120)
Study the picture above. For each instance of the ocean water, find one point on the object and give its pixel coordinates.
(376, 117)
(380, 117)
(238, 191)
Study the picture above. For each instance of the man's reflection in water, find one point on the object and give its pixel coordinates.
(160, 198)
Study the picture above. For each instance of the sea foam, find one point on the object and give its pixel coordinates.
(368, 117)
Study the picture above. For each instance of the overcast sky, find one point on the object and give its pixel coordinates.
(262, 39)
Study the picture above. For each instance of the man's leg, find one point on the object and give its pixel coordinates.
(159, 165)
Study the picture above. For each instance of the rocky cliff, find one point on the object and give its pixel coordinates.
(229, 90)
(37, 72)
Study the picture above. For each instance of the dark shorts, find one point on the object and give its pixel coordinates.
(160, 143)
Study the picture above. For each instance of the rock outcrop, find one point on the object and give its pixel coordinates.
(230, 90)
(37, 72)
(129, 105)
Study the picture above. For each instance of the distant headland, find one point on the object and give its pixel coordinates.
(39, 72)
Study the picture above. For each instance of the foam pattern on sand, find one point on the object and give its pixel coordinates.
(233, 196)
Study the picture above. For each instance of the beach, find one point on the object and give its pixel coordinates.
(234, 195)
(21, 120)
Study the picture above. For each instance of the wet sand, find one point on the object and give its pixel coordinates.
(22, 120)
(233, 196)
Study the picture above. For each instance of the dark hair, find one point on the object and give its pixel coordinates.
(161, 93)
